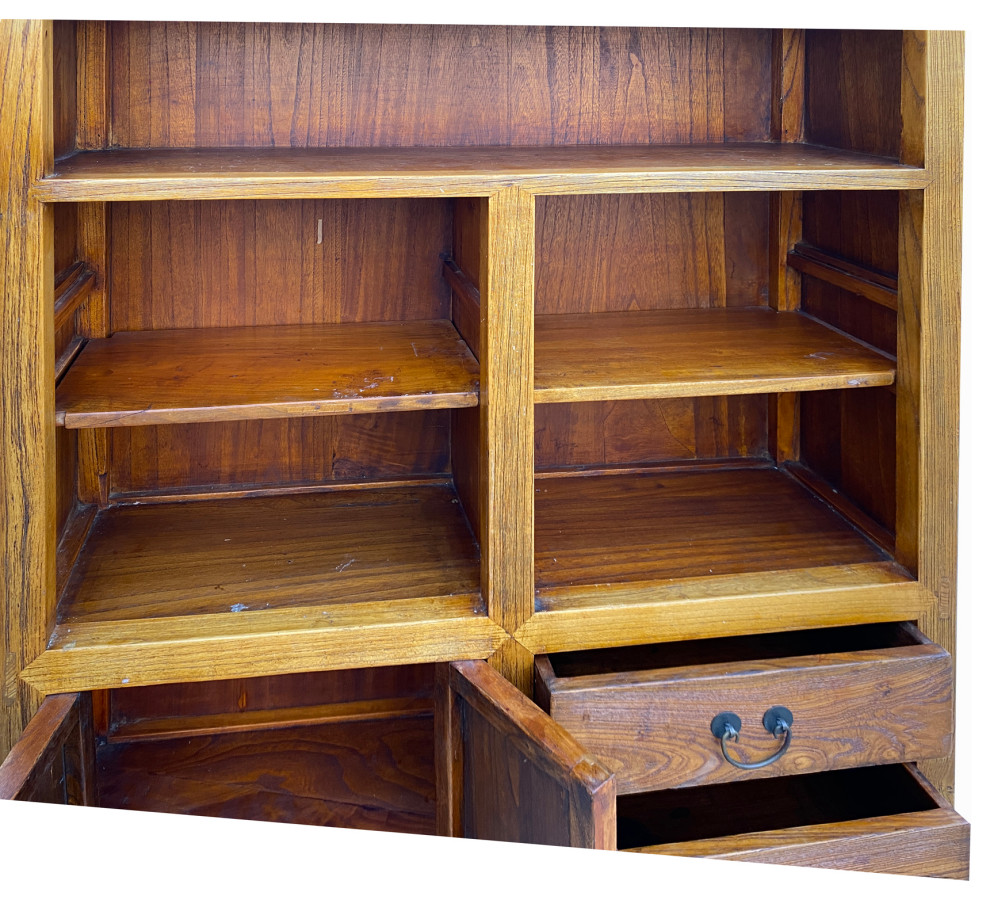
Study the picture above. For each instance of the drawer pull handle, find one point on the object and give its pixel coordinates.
(777, 720)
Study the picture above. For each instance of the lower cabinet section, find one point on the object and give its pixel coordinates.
(456, 749)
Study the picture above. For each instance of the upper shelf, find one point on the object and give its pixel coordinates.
(382, 172)
(695, 352)
(216, 374)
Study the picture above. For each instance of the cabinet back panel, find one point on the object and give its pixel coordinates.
(851, 313)
(853, 90)
(607, 252)
(186, 264)
(860, 226)
(290, 85)
(639, 432)
(65, 477)
(280, 451)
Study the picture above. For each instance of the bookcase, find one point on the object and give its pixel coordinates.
(363, 382)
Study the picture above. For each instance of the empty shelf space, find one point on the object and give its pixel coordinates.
(218, 374)
(375, 774)
(266, 585)
(695, 352)
(242, 173)
(633, 558)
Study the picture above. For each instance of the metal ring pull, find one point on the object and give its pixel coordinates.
(778, 720)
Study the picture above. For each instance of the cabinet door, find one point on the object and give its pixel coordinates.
(507, 772)
(53, 760)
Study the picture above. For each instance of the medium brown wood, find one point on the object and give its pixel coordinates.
(67, 357)
(597, 615)
(93, 129)
(52, 762)
(506, 408)
(880, 536)
(92, 246)
(367, 774)
(270, 720)
(210, 375)
(470, 171)
(848, 276)
(851, 707)
(28, 510)
(788, 101)
(465, 304)
(285, 552)
(563, 796)
(70, 293)
(931, 841)
(624, 529)
(677, 353)
(63, 88)
(929, 336)
(72, 537)
(94, 476)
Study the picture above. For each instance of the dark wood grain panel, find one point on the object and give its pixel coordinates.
(272, 262)
(63, 87)
(853, 90)
(278, 552)
(851, 708)
(560, 795)
(599, 253)
(638, 432)
(289, 85)
(856, 316)
(691, 352)
(230, 374)
(280, 452)
(617, 529)
(248, 695)
(376, 774)
(53, 760)
(848, 438)
(859, 226)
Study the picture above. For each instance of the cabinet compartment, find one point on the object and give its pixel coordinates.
(860, 695)
(877, 819)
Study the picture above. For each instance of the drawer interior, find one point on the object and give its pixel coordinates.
(700, 813)
(819, 641)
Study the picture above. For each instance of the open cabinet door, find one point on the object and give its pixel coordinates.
(507, 772)
(53, 760)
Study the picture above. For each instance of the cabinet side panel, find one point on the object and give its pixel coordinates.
(27, 370)
(291, 85)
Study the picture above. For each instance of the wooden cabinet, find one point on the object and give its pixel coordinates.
(547, 357)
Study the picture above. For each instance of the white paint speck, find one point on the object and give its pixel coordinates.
(238, 607)
(125, 680)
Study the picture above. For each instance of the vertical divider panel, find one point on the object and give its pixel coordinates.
(508, 236)
(27, 369)
(928, 334)
(786, 125)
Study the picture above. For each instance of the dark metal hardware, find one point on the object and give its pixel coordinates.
(778, 720)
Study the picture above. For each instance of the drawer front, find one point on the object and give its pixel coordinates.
(932, 841)
(653, 729)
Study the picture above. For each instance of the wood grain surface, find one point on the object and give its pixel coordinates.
(687, 353)
(468, 171)
(367, 774)
(209, 375)
(851, 707)
(53, 760)
(562, 796)
(28, 509)
(894, 822)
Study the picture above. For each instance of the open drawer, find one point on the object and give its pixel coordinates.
(507, 771)
(858, 695)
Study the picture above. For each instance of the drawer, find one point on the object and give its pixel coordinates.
(878, 819)
(859, 695)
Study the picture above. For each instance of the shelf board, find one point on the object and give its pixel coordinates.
(235, 588)
(371, 172)
(695, 352)
(218, 374)
(635, 558)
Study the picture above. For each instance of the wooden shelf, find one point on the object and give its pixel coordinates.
(634, 558)
(371, 172)
(231, 588)
(218, 374)
(696, 352)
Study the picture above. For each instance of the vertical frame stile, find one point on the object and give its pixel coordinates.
(928, 334)
(27, 404)
(506, 404)
(787, 115)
